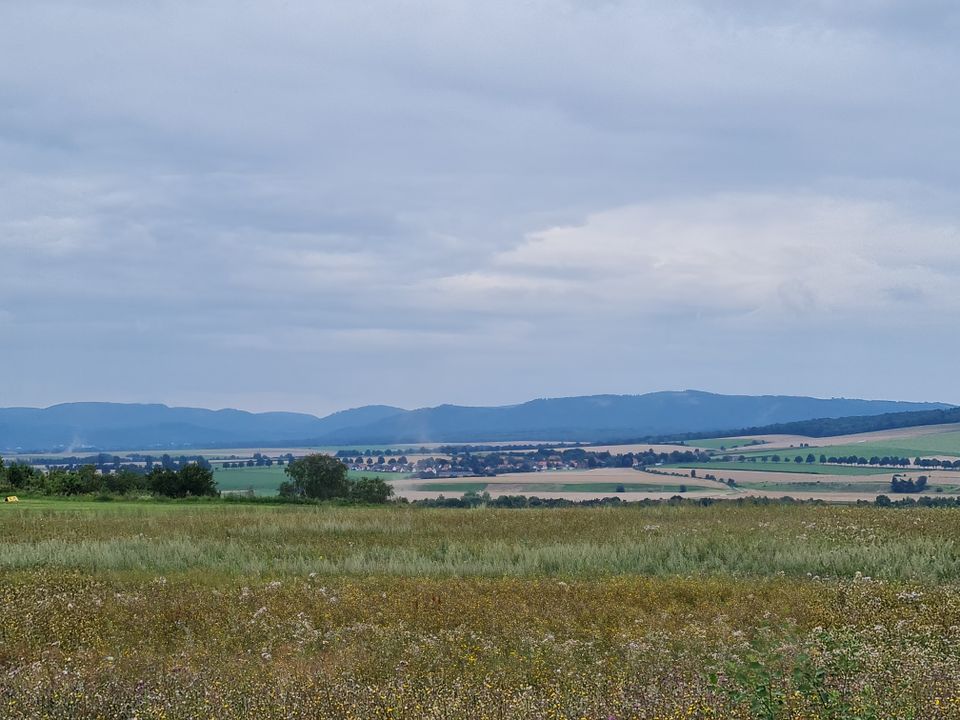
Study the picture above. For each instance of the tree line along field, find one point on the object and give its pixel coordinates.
(672, 610)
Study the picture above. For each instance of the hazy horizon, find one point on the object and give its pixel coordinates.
(422, 407)
(310, 207)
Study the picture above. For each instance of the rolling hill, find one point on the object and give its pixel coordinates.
(113, 426)
(117, 426)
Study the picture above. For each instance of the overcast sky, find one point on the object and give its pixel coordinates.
(307, 205)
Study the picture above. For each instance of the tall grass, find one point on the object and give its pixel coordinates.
(797, 541)
(212, 610)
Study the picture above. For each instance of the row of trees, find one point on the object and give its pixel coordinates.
(316, 477)
(875, 460)
(192, 479)
(259, 460)
(135, 462)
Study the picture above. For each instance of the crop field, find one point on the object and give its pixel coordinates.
(611, 488)
(786, 467)
(266, 480)
(457, 488)
(834, 483)
(547, 488)
(724, 443)
(642, 447)
(838, 487)
(565, 484)
(824, 487)
(940, 445)
(230, 610)
(923, 441)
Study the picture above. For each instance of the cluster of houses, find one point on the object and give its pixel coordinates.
(470, 465)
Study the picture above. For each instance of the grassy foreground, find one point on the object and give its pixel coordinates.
(226, 611)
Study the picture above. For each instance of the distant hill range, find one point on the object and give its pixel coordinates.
(114, 426)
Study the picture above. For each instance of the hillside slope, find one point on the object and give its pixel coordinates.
(112, 426)
(608, 417)
(129, 426)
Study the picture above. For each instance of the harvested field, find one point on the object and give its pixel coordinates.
(848, 488)
(787, 467)
(577, 486)
(642, 447)
(572, 485)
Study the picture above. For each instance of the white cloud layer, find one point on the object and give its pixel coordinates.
(736, 256)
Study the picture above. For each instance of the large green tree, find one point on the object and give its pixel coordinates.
(317, 476)
(197, 480)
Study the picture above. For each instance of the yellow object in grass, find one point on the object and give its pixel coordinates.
(11, 498)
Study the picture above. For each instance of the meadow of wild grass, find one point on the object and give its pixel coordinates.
(668, 611)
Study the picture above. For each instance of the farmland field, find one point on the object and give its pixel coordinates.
(229, 610)
(787, 467)
(824, 487)
(567, 484)
(806, 482)
(839, 487)
(643, 447)
(454, 487)
(925, 441)
(944, 444)
(724, 443)
(600, 488)
(266, 480)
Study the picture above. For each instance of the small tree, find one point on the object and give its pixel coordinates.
(375, 491)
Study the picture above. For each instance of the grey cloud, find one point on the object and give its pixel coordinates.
(328, 204)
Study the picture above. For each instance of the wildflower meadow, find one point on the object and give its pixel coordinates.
(219, 610)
